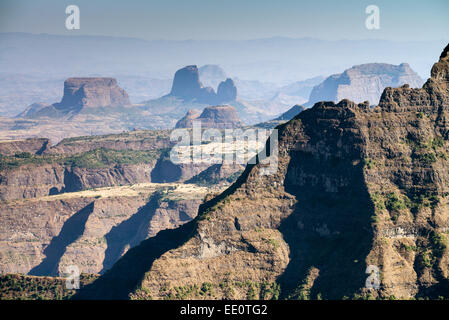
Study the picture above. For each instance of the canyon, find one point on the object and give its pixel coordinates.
(357, 189)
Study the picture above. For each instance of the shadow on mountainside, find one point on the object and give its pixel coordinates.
(329, 233)
(72, 229)
(127, 233)
(126, 274)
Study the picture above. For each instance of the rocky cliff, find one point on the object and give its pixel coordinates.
(90, 229)
(187, 86)
(31, 145)
(32, 181)
(220, 117)
(364, 82)
(356, 209)
(81, 93)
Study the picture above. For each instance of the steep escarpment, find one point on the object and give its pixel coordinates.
(364, 82)
(82, 93)
(40, 176)
(219, 117)
(187, 86)
(89, 229)
(357, 208)
(83, 163)
(31, 145)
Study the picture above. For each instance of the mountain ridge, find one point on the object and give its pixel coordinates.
(356, 187)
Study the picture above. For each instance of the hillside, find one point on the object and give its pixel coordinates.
(356, 187)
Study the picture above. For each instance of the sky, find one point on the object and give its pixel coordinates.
(400, 20)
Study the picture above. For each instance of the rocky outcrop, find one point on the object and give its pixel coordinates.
(31, 181)
(90, 229)
(31, 145)
(81, 93)
(356, 209)
(220, 117)
(364, 82)
(186, 83)
(187, 86)
(92, 92)
(227, 91)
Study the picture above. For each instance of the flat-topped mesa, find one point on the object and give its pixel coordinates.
(187, 86)
(364, 82)
(220, 117)
(92, 92)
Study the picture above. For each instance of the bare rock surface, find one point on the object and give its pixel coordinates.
(364, 82)
(357, 189)
(220, 117)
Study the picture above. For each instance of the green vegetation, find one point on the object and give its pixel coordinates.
(408, 248)
(101, 158)
(207, 179)
(22, 287)
(426, 158)
(378, 201)
(270, 291)
(98, 158)
(395, 203)
(369, 163)
(273, 242)
(427, 152)
(226, 289)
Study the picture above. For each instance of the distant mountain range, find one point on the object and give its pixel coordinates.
(34, 65)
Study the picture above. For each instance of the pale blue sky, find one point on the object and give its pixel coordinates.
(231, 19)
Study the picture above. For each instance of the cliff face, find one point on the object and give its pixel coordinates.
(355, 188)
(220, 117)
(92, 92)
(52, 170)
(364, 82)
(227, 91)
(32, 181)
(90, 229)
(187, 86)
(80, 93)
(32, 145)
